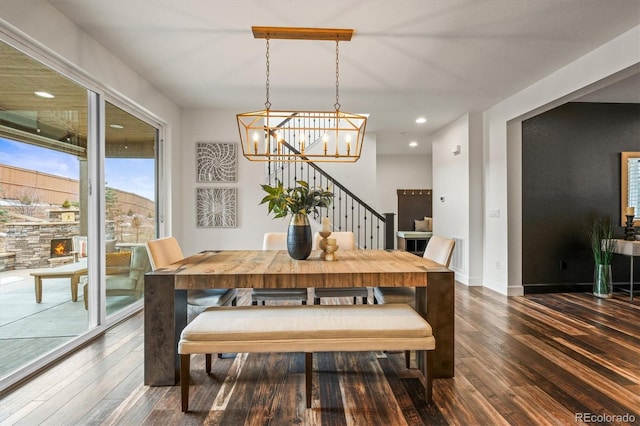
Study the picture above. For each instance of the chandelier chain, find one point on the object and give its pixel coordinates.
(267, 104)
(337, 104)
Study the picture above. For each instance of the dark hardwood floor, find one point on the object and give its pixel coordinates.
(544, 359)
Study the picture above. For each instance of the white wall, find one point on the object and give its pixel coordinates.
(252, 218)
(613, 61)
(451, 183)
(474, 254)
(400, 172)
(457, 199)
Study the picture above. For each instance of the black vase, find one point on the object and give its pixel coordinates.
(299, 242)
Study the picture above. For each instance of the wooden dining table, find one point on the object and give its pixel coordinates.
(165, 293)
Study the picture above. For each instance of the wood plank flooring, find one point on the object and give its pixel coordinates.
(544, 359)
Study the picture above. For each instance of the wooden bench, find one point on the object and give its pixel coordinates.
(308, 329)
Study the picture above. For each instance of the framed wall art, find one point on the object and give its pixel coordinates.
(216, 207)
(216, 162)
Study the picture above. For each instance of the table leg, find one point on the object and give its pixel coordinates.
(165, 315)
(631, 280)
(436, 303)
(38, 283)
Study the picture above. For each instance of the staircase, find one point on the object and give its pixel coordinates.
(372, 230)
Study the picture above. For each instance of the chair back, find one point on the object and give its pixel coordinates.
(439, 249)
(345, 240)
(163, 252)
(274, 241)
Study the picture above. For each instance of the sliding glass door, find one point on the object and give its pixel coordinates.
(77, 203)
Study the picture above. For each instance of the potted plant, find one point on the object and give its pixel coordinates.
(602, 245)
(298, 201)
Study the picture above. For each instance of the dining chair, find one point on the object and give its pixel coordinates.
(165, 251)
(277, 241)
(345, 241)
(440, 250)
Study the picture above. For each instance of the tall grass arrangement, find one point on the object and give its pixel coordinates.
(602, 242)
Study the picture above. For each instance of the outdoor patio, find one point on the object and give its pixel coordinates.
(29, 329)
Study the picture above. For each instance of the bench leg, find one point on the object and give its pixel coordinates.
(428, 380)
(308, 370)
(207, 362)
(185, 378)
(407, 359)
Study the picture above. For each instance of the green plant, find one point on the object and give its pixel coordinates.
(66, 204)
(602, 242)
(300, 199)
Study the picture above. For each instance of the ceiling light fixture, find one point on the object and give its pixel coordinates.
(295, 135)
(413, 144)
(421, 120)
(45, 95)
(116, 126)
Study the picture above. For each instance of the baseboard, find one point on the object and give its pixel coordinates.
(566, 288)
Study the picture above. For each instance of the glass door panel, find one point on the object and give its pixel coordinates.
(130, 188)
(43, 199)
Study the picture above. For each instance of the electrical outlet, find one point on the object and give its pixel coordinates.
(494, 213)
(498, 266)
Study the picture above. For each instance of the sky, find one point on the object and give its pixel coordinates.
(135, 175)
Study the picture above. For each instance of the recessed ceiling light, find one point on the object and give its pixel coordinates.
(413, 144)
(421, 120)
(116, 126)
(44, 95)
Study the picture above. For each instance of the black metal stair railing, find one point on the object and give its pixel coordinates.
(372, 230)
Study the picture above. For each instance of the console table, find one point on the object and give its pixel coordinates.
(413, 241)
(631, 249)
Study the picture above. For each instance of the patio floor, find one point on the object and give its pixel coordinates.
(28, 329)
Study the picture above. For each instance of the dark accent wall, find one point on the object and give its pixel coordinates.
(570, 176)
(413, 204)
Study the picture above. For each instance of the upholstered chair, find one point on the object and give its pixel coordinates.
(345, 241)
(439, 249)
(124, 274)
(277, 241)
(165, 251)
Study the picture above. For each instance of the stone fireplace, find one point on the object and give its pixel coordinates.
(33, 242)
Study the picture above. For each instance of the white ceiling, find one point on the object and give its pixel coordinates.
(408, 58)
